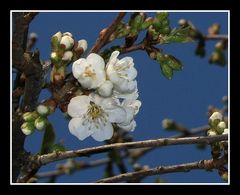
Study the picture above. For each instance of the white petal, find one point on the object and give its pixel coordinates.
(78, 106)
(105, 89)
(116, 114)
(129, 115)
(135, 104)
(77, 129)
(96, 60)
(114, 56)
(104, 132)
(129, 127)
(96, 98)
(99, 79)
(130, 96)
(126, 86)
(78, 67)
(132, 73)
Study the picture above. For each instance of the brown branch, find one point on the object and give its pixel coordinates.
(135, 152)
(63, 169)
(104, 36)
(202, 164)
(216, 37)
(56, 156)
(21, 21)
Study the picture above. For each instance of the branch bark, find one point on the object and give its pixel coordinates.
(28, 63)
(202, 164)
(56, 156)
(104, 35)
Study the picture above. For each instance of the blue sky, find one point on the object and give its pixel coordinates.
(185, 98)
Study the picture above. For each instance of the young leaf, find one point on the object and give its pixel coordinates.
(166, 70)
(178, 35)
(174, 63)
(57, 147)
(48, 139)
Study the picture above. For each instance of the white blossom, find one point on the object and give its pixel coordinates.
(216, 116)
(106, 89)
(121, 73)
(67, 56)
(225, 131)
(132, 108)
(92, 116)
(58, 35)
(90, 71)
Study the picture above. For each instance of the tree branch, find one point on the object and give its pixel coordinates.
(216, 37)
(83, 165)
(104, 36)
(202, 164)
(56, 156)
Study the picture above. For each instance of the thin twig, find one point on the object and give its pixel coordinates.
(77, 166)
(202, 164)
(216, 37)
(56, 156)
(84, 165)
(103, 38)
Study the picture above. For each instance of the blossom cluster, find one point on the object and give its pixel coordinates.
(217, 124)
(112, 98)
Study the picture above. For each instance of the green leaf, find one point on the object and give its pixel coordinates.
(166, 70)
(48, 139)
(162, 16)
(174, 63)
(57, 147)
(178, 35)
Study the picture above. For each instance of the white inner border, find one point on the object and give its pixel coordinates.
(210, 11)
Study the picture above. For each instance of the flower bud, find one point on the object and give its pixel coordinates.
(67, 41)
(220, 127)
(40, 123)
(42, 110)
(168, 124)
(214, 29)
(225, 131)
(224, 176)
(105, 89)
(215, 118)
(67, 56)
(83, 44)
(211, 132)
(54, 58)
(182, 22)
(27, 128)
(30, 116)
(68, 34)
(56, 38)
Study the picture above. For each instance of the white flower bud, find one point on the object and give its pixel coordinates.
(43, 110)
(225, 131)
(105, 89)
(40, 123)
(168, 124)
(220, 127)
(211, 133)
(67, 41)
(33, 36)
(83, 44)
(27, 128)
(30, 116)
(215, 118)
(58, 36)
(67, 56)
(68, 34)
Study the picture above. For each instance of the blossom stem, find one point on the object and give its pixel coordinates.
(103, 38)
(202, 164)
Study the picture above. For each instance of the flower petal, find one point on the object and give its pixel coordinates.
(77, 129)
(130, 127)
(78, 67)
(96, 60)
(78, 106)
(104, 132)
